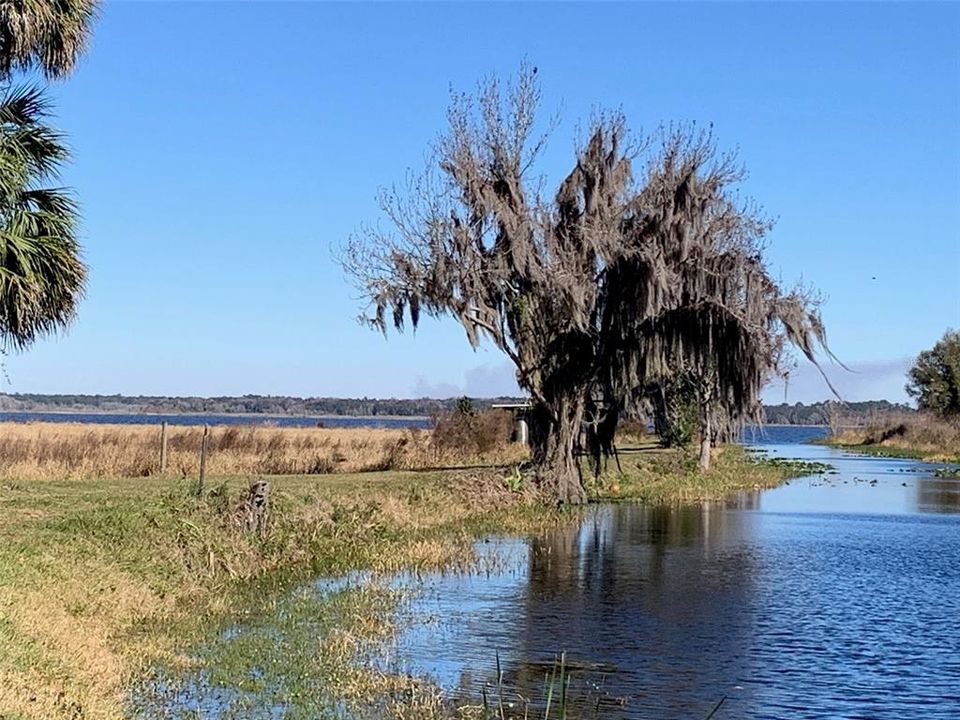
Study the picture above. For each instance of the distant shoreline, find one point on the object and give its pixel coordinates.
(366, 409)
(268, 416)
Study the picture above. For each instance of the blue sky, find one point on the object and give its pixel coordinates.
(221, 149)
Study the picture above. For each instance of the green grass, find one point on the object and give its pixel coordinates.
(657, 477)
(101, 580)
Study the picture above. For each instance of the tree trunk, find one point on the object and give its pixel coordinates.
(706, 433)
(553, 444)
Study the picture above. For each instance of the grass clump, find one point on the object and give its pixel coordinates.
(670, 476)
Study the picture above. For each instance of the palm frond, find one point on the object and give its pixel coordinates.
(42, 274)
(48, 34)
(29, 147)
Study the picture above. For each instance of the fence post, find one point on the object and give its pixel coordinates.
(203, 459)
(163, 448)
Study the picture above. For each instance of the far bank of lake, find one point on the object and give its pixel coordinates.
(197, 419)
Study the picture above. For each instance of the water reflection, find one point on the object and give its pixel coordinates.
(938, 495)
(634, 595)
(635, 592)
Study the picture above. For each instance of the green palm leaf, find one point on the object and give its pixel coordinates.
(42, 274)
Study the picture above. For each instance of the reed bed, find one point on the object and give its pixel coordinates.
(920, 435)
(69, 451)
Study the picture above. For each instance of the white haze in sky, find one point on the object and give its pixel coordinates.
(863, 381)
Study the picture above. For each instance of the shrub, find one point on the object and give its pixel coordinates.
(470, 433)
(632, 429)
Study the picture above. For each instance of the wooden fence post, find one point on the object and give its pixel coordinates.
(203, 459)
(163, 448)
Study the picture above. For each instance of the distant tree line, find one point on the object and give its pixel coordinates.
(783, 414)
(823, 413)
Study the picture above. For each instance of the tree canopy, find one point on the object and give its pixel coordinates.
(934, 379)
(643, 264)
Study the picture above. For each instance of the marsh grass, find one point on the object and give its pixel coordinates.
(670, 476)
(570, 691)
(921, 436)
(83, 451)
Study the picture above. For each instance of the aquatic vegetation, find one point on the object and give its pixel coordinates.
(796, 467)
(561, 697)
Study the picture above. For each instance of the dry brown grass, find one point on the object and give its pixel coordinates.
(920, 435)
(75, 451)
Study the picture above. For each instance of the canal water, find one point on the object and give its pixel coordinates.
(833, 596)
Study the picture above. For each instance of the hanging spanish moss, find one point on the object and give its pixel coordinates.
(620, 282)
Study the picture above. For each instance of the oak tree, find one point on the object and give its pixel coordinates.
(641, 265)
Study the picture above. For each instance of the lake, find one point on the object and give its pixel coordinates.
(833, 596)
(333, 421)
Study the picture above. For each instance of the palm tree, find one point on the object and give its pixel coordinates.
(47, 34)
(41, 274)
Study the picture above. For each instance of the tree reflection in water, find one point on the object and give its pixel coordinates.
(938, 495)
(632, 594)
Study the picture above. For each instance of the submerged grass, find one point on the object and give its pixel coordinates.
(103, 581)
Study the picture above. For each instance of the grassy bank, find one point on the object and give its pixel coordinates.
(917, 436)
(103, 579)
(654, 476)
